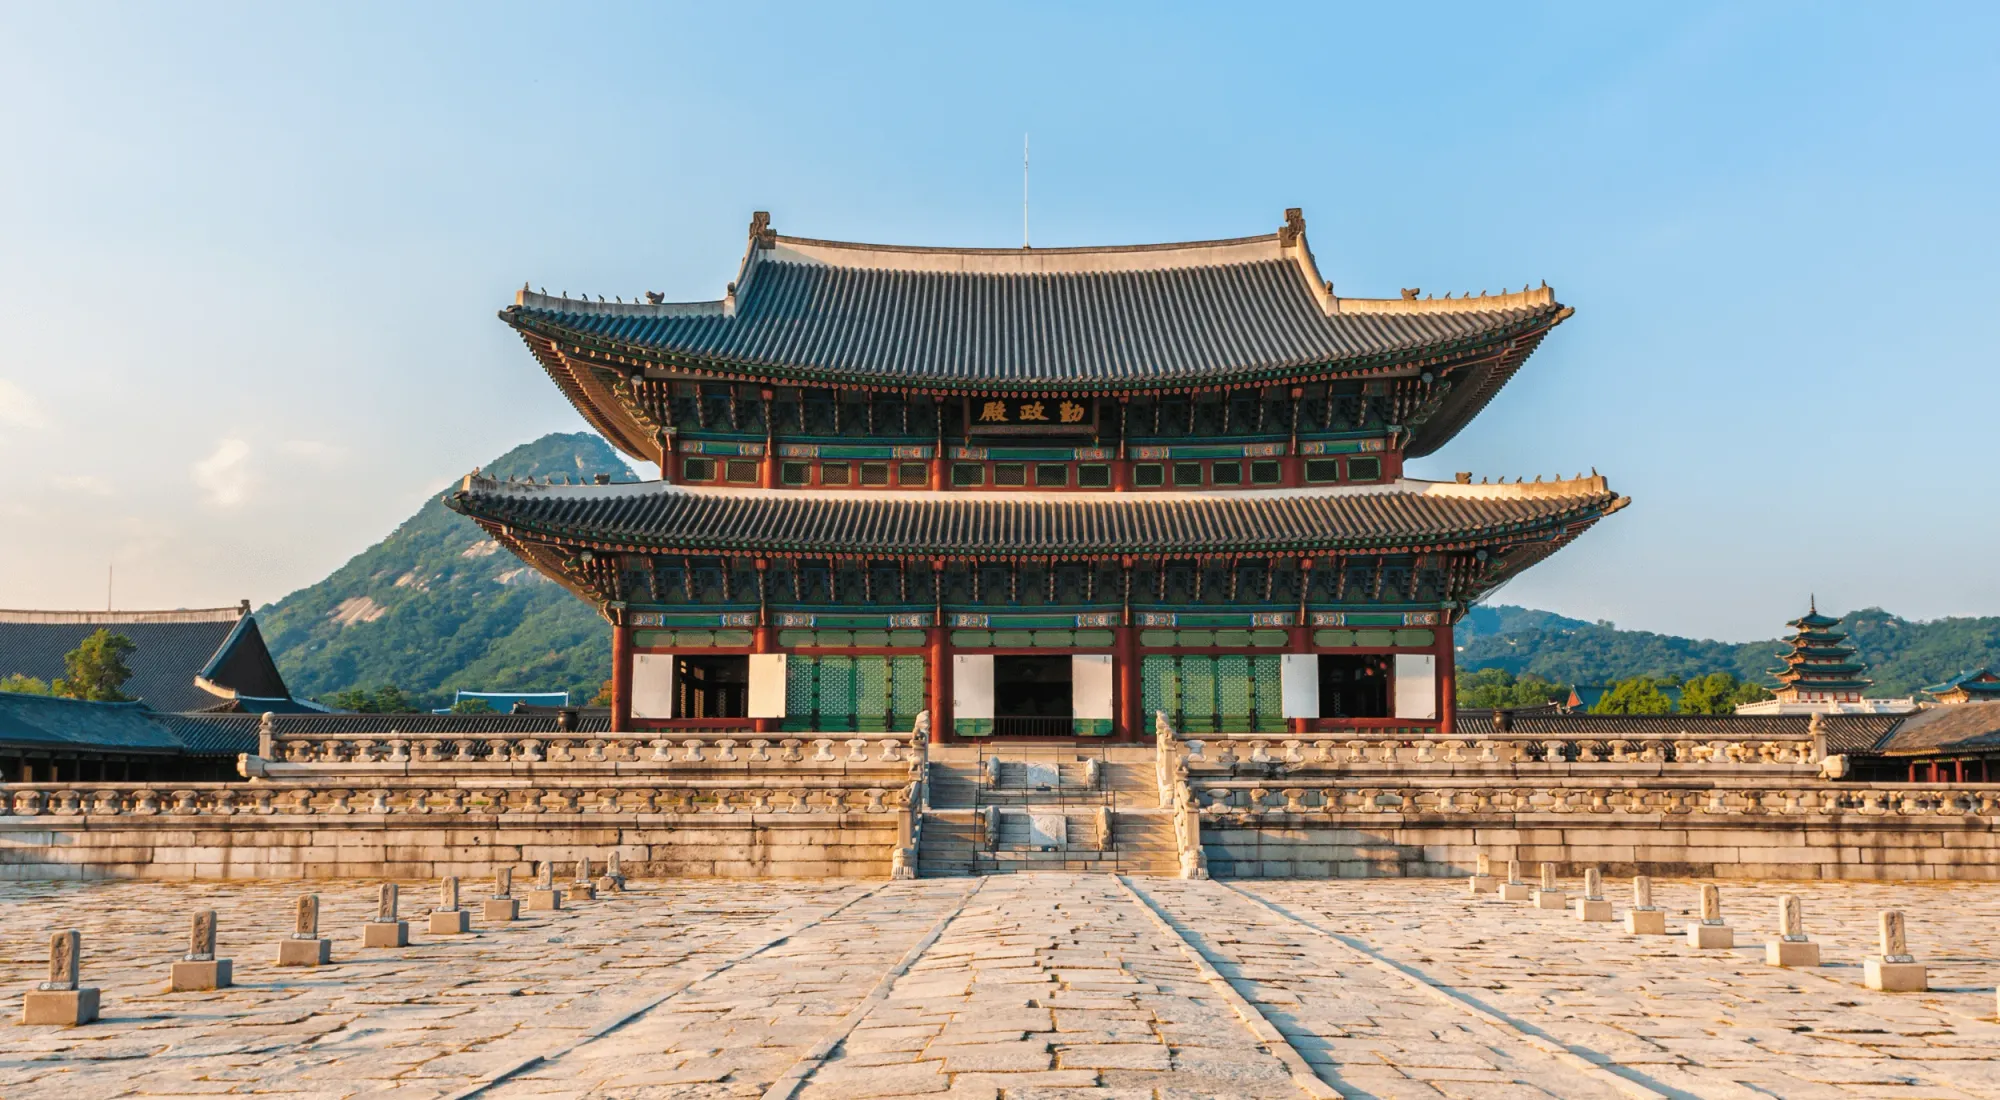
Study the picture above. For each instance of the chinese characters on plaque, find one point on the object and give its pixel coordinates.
(1024, 415)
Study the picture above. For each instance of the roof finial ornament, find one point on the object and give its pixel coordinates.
(655, 297)
(1410, 293)
(1812, 603)
(1295, 224)
(761, 235)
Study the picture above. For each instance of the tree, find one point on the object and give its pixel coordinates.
(21, 683)
(603, 696)
(1638, 695)
(1498, 689)
(1714, 693)
(96, 670)
(472, 706)
(386, 699)
(1718, 693)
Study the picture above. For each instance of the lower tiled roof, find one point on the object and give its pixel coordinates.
(650, 515)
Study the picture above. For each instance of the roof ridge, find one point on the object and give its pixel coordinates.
(118, 618)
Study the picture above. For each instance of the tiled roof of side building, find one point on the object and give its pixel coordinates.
(182, 660)
(55, 723)
(649, 515)
(1249, 310)
(1958, 726)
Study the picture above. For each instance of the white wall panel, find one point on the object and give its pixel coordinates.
(1416, 685)
(1299, 677)
(767, 685)
(972, 686)
(1090, 681)
(652, 685)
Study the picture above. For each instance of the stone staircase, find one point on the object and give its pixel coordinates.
(1047, 811)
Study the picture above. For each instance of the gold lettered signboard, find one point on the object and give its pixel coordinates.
(1030, 415)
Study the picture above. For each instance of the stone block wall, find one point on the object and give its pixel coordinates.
(1281, 845)
(850, 845)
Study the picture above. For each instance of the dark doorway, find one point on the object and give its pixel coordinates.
(1031, 696)
(713, 687)
(1354, 686)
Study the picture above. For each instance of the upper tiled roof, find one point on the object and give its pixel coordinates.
(1248, 310)
(649, 515)
(182, 660)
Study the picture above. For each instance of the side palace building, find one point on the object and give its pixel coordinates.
(1034, 492)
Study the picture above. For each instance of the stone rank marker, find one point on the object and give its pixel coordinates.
(1709, 933)
(1593, 906)
(1514, 889)
(60, 1000)
(582, 887)
(611, 882)
(503, 907)
(1550, 896)
(199, 970)
(304, 947)
(545, 896)
(385, 930)
(447, 919)
(1644, 918)
(1482, 877)
(1894, 970)
(1791, 948)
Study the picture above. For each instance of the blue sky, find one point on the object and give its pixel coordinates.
(250, 255)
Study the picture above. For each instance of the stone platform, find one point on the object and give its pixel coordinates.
(1096, 985)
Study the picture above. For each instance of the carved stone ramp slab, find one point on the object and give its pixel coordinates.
(1366, 1032)
(1053, 981)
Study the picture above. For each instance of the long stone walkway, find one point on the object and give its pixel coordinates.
(1023, 985)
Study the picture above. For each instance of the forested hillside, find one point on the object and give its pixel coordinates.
(437, 606)
(1903, 655)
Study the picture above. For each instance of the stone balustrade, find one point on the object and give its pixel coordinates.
(216, 800)
(1401, 751)
(1239, 798)
(665, 751)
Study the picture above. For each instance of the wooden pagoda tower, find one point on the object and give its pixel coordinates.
(1036, 492)
(1820, 665)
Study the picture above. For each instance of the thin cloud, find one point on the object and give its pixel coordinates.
(314, 451)
(19, 409)
(86, 484)
(224, 476)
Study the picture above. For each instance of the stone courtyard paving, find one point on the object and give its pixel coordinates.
(1017, 986)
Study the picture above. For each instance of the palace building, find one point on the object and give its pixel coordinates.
(1034, 492)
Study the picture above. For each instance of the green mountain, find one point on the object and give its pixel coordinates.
(437, 606)
(1903, 655)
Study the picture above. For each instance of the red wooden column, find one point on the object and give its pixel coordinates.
(767, 472)
(940, 662)
(1130, 714)
(937, 465)
(1300, 640)
(1295, 466)
(1447, 680)
(621, 678)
